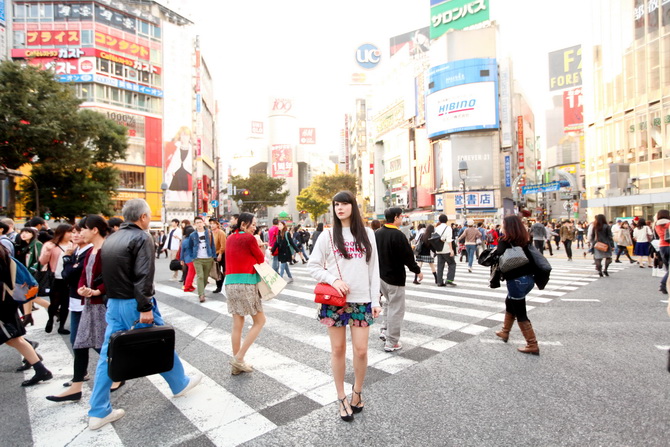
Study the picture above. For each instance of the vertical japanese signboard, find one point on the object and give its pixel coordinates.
(508, 171)
(519, 140)
(307, 136)
(573, 110)
(282, 161)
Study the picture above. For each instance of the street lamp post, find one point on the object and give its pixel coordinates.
(6, 172)
(164, 187)
(463, 174)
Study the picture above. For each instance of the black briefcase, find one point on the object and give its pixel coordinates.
(140, 352)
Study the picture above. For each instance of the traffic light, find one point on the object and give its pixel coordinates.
(243, 192)
(47, 215)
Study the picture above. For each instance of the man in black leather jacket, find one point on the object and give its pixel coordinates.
(128, 273)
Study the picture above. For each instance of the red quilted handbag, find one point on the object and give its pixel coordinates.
(324, 293)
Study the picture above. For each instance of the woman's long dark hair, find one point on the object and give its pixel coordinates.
(94, 221)
(361, 241)
(599, 223)
(244, 217)
(515, 231)
(426, 234)
(60, 232)
(641, 223)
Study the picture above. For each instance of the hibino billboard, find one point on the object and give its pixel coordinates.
(462, 95)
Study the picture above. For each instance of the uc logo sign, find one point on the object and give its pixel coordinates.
(368, 56)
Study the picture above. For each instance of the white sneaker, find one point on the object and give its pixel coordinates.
(389, 348)
(289, 281)
(382, 335)
(195, 380)
(97, 423)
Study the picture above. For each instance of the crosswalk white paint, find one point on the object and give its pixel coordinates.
(433, 314)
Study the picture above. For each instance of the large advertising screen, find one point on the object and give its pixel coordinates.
(462, 96)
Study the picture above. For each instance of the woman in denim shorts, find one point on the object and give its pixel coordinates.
(519, 282)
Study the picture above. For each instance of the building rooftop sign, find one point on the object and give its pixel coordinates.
(456, 14)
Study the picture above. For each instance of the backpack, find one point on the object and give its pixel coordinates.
(25, 286)
(489, 237)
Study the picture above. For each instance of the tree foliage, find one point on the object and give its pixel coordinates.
(35, 111)
(326, 186)
(310, 202)
(69, 150)
(78, 178)
(263, 191)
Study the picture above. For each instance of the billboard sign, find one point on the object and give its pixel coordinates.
(43, 38)
(282, 162)
(475, 200)
(112, 82)
(573, 110)
(368, 56)
(543, 187)
(565, 68)
(418, 42)
(307, 135)
(462, 96)
(75, 12)
(121, 45)
(456, 14)
(3, 20)
(257, 128)
(508, 171)
(84, 65)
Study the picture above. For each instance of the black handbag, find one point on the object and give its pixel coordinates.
(140, 352)
(436, 241)
(175, 265)
(487, 258)
(45, 280)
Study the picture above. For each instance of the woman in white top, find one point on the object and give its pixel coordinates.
(346, 258)
(642, 236)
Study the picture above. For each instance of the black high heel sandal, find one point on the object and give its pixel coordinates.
(350, 416)
(27, 319)
(356, 408)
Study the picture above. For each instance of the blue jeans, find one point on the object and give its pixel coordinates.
(121, 314)
(518, 288)
(275, 263)
(471, 250)
(74, 326)
(665, 257)
(284, 268)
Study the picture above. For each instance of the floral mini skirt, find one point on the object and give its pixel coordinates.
(353, 314)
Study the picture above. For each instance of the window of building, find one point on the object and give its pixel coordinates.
(655, 134)
(666, 62)
(654, 65)
(46, 12)
(643, 133)
(135, 154)
(103, 65)
(666, 128)
(86, 37)
(641, 66)
(131, 180)
(19, 39)
(629, 66)
(630, 139)
(32, 13)
(657, 174)
(155, 56)
(118, 69)
(156, 31)
(144, 28)
(19, 12)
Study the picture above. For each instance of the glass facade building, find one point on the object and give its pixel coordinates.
(627, 107)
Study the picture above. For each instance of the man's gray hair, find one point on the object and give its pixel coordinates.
(7, 221)
(133, 209)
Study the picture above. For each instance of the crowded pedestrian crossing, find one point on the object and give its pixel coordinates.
(291, 359)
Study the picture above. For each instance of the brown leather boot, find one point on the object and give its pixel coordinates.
(531, 342)
(507, 326)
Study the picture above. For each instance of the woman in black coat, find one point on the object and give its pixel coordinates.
(285, 248)
(520, 281)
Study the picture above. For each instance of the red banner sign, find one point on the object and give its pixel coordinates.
(573, 110)
(121, 45)
(41, 38)
(307, 136)
(282, 161)
(68, 66)
(60, 53)
(519, 132)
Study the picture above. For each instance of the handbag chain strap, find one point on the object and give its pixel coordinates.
(332, 245)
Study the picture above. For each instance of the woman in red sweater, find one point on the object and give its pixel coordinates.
(242, 253)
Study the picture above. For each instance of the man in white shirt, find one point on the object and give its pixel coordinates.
(173, 243)
(445, 255)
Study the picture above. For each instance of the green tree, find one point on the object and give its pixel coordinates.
(309, 201)
(76, 177)
(263, 191)
(70, 150)
(326, 186)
